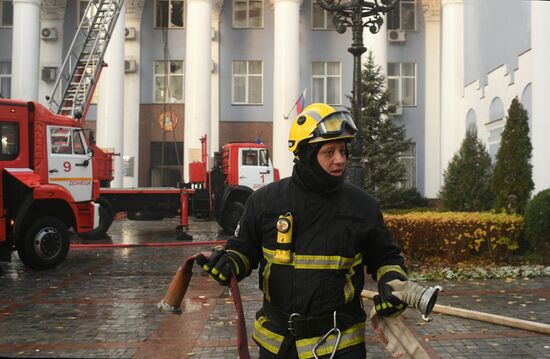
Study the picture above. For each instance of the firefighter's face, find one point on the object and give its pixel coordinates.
(332, 157)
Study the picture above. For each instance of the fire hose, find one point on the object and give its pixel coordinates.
(171, 302)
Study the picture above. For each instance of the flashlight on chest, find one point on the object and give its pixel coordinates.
(284, 238)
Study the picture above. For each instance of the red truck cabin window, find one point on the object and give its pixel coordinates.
(9, 141)
(250, 158)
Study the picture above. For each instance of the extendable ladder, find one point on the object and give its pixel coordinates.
(81, 68)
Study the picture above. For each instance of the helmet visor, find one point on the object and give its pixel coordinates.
(335, 124)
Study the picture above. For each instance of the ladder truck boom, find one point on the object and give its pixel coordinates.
(83, 64)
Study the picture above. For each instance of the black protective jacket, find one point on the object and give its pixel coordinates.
(334, 236)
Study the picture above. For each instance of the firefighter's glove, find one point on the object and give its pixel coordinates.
(217, 265)
(385, 302)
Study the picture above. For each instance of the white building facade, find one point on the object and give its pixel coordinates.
(233, 69)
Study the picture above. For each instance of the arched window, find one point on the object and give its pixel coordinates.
(471, 118)
(495, 126)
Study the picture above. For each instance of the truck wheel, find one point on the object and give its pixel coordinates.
(231, 216)
(105, 220)
(45, 244)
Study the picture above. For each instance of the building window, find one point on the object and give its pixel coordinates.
(402, 84)
(247, 82)
(169, 13)
(320, 18)
(326, 82)
(248, 14)
(6, 13)
(82, 13)
(403, 16)
(495, 126)
(169, 81)
(5, 79)
(408, 158)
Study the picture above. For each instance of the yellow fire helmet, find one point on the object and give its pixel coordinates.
(320, 122)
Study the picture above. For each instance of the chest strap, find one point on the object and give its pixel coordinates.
(305, 326)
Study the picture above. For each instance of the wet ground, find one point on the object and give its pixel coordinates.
(101, 303)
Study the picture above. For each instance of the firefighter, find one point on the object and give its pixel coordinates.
(311, 234)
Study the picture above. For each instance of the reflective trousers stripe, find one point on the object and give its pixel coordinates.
(272, 341)
(266, 338)
(351, 336)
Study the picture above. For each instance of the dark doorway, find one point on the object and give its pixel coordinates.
(166, 164)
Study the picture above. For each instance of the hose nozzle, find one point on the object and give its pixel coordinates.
(415, 295)
(171, 302)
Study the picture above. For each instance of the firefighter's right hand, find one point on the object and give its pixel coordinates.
(217, 265)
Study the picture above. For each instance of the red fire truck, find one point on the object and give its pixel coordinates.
(239, 170)
(47, 184)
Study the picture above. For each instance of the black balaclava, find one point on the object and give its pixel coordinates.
(309, 172)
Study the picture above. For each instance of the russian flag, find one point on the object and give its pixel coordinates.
(301, 101)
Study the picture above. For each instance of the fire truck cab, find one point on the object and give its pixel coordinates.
(244, 168)
(46, 183)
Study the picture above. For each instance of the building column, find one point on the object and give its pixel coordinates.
(25, 49)
(134, 10)
(214, 140)
(432, 100)
(452, 79)
(540, 46)
(378, 44)
(110, 119)
(286, 78)
(198, 67)
(52, 15)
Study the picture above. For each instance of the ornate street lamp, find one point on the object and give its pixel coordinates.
(357, 14)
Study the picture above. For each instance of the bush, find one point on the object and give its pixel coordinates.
(456, 236)
(537, 223)
(467, 180)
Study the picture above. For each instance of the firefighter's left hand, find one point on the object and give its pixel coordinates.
(385, 302)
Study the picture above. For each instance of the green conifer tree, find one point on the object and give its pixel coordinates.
(384, 139)
(512, 179)
(467, 182)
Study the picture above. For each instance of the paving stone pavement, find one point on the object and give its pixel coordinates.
(101, 303)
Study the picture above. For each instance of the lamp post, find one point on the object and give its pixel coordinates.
(357, 14)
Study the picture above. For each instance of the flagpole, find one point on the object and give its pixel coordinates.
(293, 107)
(303, 94)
